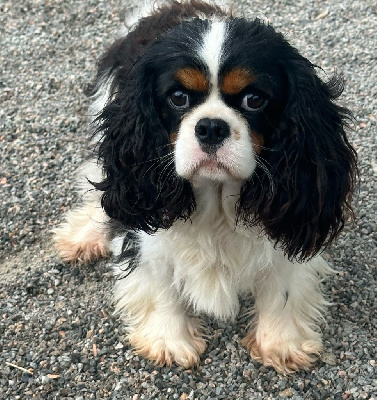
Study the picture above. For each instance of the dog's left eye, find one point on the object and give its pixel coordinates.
(179, 100)
(253, 102)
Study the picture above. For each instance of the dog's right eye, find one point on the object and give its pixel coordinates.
(179, 100)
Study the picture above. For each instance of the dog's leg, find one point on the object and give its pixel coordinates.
(288, 304)
(156, 321)
(83, 236)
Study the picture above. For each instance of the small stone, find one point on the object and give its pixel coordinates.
(246, 373)
(286, 393)
(328, 358)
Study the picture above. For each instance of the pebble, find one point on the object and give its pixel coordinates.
(328, 358)
(286, 393)
(45, 380)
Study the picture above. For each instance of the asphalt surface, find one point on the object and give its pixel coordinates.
(58, 337)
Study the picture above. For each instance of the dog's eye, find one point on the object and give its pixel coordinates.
(253, 102)
(179, 100)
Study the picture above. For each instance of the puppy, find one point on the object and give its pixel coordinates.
(222, 168)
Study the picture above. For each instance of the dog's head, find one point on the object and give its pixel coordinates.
(222, 100)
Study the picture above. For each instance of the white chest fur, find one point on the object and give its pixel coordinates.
(208, 260)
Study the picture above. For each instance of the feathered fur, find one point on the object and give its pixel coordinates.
(223, 167)
(300, 192)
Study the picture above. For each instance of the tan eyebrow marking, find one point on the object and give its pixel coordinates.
(236, 80)
(192, 79)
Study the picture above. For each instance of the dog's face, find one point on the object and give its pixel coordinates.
(217, 101)
(213, 139)
(226, 100)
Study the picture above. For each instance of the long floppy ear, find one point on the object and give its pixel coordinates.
(141, 188)
(302, 195)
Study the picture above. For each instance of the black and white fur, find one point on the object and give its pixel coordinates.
(224, 168)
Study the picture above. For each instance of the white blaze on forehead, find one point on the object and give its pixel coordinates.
(212, 48)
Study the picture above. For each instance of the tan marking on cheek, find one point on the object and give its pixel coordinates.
(236, 80)
(237, 135)
(258, 141)
(192, 79)
(173, 140)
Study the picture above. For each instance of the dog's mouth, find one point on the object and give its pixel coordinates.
(212, 164)
(212, 168)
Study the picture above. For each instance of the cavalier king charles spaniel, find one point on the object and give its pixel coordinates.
(222, 167)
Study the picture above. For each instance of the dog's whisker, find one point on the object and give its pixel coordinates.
(167, 168)
(260, 163)
(157, 159)
(156, 163)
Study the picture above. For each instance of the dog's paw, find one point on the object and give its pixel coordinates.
(184, 350)
(85, 251)
(82, 237)
(285, 356)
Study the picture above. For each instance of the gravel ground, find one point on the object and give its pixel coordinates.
(56, 320)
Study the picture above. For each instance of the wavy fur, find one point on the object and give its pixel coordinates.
(301, 191)
(223, 164)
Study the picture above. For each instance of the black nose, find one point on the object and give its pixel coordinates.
(211, 133)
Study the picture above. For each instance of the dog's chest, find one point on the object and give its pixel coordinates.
(211, 265)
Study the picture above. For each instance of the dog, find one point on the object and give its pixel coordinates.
(222, 167)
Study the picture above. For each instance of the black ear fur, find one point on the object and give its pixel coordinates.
(141, 188)
(305, 197)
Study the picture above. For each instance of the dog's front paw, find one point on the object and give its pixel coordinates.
(83, 251)
(82, 237)
(286, 356)
(184, 350)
